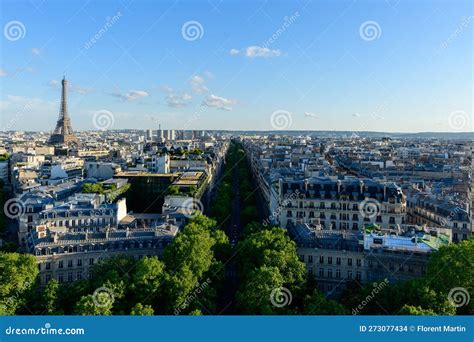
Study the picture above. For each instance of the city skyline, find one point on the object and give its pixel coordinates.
(239, 66)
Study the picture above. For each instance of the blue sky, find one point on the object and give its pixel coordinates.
(322, 70)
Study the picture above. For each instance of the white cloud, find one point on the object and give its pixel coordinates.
(131, 95)
(178, 100)
(3, 73)
(256, 51)
(208, 74)
(81, 90)
(54, 83)
(218, 102)
(166, 89)
(36, 51)
(311, 115)
(197, 84)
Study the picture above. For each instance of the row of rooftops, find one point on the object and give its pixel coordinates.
(334, 187)
(58, 240)
(409, 238)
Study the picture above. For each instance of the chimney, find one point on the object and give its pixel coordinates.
(361, 186)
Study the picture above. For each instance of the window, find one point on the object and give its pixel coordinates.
(321, 272)
(79, 275)
(47, 278)
(359, 262)
(330, 260)
(349, 261)
(310, 258)
(91, 261)
(60, 278)
(69, 263)
(310, 271)
(349, 275)
(338, 261)
(321, 259)
(69, 277)
(79, 262)
(358, 275)
(60, 264)
(329, 273)
(338, 274)
(48, 265)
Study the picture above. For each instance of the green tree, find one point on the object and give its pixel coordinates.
(142, 310)
(173, 190)
(50, 298)
(255, 295)
(87, 306)
(192, 248)
(318, 304)
(18, 274)
(147, 278)
(415, 310)
(273, 247)
(452, 268)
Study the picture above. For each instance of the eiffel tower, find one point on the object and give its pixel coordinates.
(63, 133)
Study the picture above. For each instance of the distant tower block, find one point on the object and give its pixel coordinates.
(63, 133)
